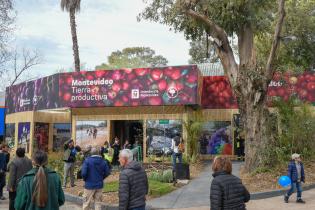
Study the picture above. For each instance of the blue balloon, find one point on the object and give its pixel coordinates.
(284, 181)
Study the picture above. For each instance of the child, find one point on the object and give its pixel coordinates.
(296, 174)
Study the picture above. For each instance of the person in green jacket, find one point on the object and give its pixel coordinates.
(40, 188)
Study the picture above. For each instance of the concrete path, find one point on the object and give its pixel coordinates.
(275, 203)
(196, 193)
(4, 205)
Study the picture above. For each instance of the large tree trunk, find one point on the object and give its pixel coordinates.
(75, 45)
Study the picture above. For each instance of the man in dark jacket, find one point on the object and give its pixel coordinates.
(133, 183)
(17, 168)
(297, 176)
(69, 158)
(94, 171)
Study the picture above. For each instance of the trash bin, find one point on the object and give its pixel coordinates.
(182, 171)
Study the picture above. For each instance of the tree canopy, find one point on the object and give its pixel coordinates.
(133, 57)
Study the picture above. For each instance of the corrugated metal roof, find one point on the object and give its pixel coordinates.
(211, 69)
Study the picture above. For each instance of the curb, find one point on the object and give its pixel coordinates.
(274, 193)
(79, 201)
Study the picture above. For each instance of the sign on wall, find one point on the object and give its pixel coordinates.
(10, 134)
(91, 133)
(41, 136)
(33, 95)
(24, 135)
(130, 87)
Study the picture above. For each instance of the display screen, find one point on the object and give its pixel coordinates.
(24, 135)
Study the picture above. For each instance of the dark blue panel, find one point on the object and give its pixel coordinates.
(2, 113)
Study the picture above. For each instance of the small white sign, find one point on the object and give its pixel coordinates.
(135, 93)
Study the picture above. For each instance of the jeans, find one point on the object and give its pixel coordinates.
(180, 159)
(68, 171)
(298, 189)
(12, 196)
(138, 208)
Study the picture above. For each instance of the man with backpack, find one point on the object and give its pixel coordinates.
(178, 148)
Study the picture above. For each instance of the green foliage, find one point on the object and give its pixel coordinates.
(297, 132)
(56, 163)
(156, 188)
(297, 48)
(162, 176)
(231, 15)
(111, 186)
(193, 128)
(133, 57)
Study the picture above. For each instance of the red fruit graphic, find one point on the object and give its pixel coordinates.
(311, 86)
(116, 75)
(277, 76)
(179, 85)
(302, 93)
(162, 84)
(169, 71)
(125, 99)
(116, 87)
(191, 78)
(272, 92)
(176, 74)
(131, 76)
(281, 92)
(89, 77)
(125, 85)
(156, 74)
(100, 73)
(156, 100)
(112, 94)
(67, 97)
(128, 70)
(141, 72)
(69, 80)
(118, 103)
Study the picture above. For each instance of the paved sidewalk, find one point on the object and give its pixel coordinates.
(196, 193)
(275, 203)
(4, 205)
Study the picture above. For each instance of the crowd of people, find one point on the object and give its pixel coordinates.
(32, 185)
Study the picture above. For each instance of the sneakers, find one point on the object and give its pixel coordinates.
(300, 200)
(286, 199)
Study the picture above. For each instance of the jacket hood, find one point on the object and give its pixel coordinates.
(95, 159)
(218, 173)
(134, 165)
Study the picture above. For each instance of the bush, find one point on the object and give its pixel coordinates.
(163, 176)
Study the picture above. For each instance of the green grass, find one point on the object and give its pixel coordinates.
(156, 188)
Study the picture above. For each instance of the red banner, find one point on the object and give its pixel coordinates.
(130, 87)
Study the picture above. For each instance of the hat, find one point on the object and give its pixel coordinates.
(295, 156)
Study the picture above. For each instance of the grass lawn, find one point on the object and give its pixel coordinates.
(156, 188)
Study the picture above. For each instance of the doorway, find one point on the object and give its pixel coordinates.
(131, 130)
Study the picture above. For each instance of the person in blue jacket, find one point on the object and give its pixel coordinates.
(297, 176)
(94, 170)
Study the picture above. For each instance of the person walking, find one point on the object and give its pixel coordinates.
(40, 188)
(17, 168)
(227, 191)
(4, 159)
(94, 171)
(133, 183)
(297, 176)
(177, 150)
(69, 158)
(116, 147)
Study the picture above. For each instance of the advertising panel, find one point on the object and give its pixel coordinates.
(2, 117)
(130, 87)
(33, 95)
(93, 133)
(24, 135)
(10, 134)
(216, 138)
(160, 134)
(41, 135)
(61, 134)
(299, 86)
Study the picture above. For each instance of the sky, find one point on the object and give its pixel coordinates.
(103, 26)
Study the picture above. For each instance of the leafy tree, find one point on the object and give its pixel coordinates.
(202, 51)
(133, 57)
(249, 78)
(73, 6)
(298, 49)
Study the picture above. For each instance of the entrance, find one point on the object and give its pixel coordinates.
(131, 130)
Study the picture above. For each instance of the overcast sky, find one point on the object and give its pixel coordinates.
(103, 26)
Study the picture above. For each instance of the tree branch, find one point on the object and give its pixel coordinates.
(222, 44)
(29, 60)
(276, 40)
